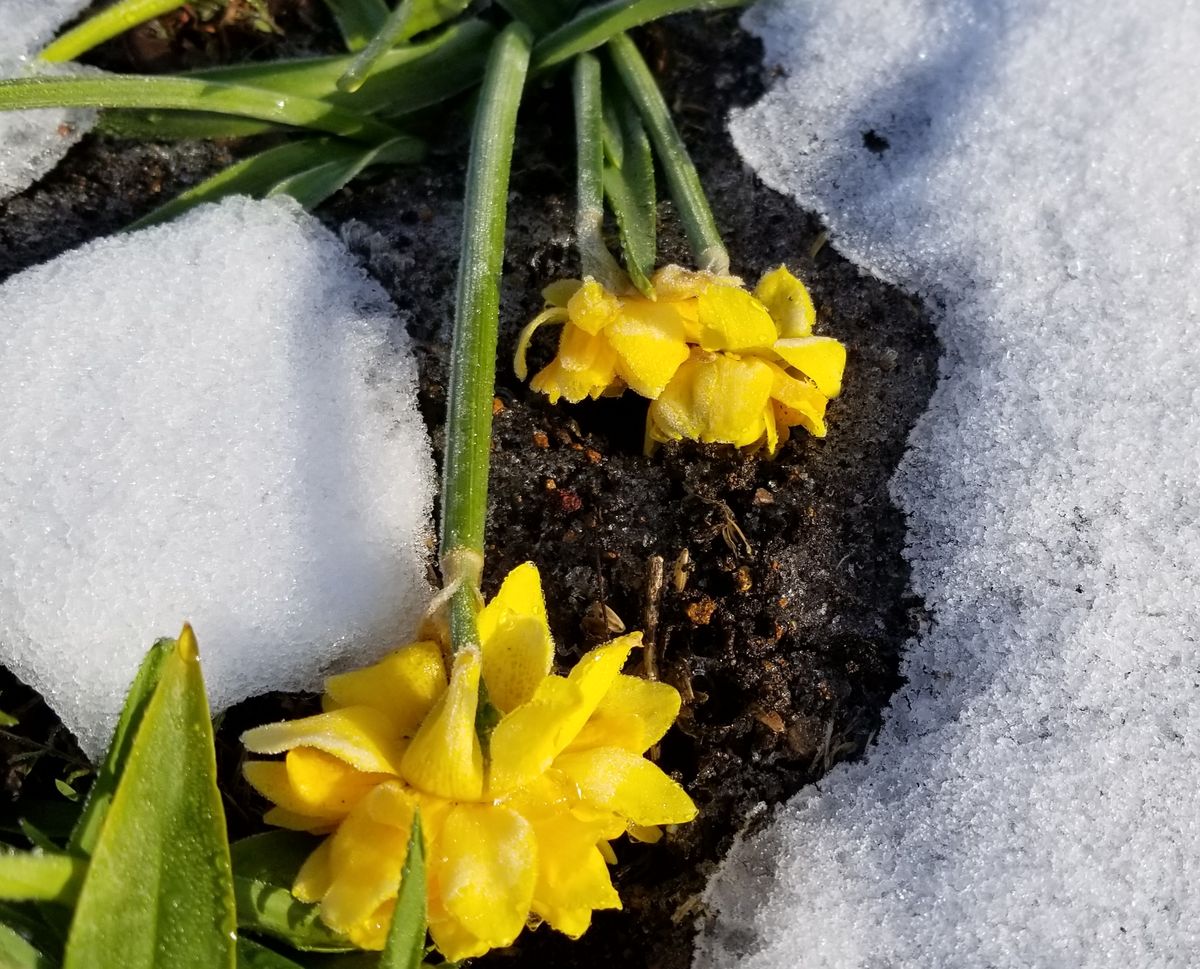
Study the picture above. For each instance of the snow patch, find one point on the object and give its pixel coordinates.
(1029, 168)
(212, 420)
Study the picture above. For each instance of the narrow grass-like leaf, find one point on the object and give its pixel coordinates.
(113, 20)
(309, 170)
(540, 16)
(410, 18)
(16, 952)
(187, 94)
(682, 178)
(264, 868)
(595, 259)
(614, 139)
(159, 889)
(179, 125)
(358, 20)
(597, 25)
(40, 876)
(29, 923)
(477, 310)
(87, 828)
(406, 936)
(632, 194)
(406, 79)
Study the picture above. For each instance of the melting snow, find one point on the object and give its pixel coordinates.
(1033, 798)
(213, 420)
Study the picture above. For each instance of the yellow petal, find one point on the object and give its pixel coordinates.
(454, 942)
(403, 685)
(714, 398)
(820, 358)
(444, 758)
(525, 337)
(584, 367)
(650, 345)
(592, 307)
(365, 860)
(634, 714)
(573, 879)
(729, 318)
(788, 301)
(363, 737)
(372, 932)
(311, 783)
(650, 834)
(315, 875)
(515, 639)
(559, 292)
(617, 780)
(485, 868)
(677, 283)
(283, 818)
(798, 402)
(526, 741)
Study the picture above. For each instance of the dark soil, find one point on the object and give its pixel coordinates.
(783, 629)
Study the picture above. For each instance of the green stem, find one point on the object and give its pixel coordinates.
(187, 94)
(476, 325)
(596, 25)
(705, 239)
(393, 29)
(594, 256)
(105, 25)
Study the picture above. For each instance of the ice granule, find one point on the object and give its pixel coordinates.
(213, 420)
(1033, 797)
(32, 142)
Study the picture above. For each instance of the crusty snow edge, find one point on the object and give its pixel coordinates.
(212, 420)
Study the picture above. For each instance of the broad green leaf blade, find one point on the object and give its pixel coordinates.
(187, 94)
(16, 952)
(358, 20)
(264, 868)
(632, 195)
(109, 22)
(410, 18)
(27, 876)
(159, 889)
(87, 828)
(599, 24)
(406, 936)
(156, 125)
(406, 79)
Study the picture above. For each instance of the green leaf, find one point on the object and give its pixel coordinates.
(108, 23)
(87, 828)
(8, 720)
(410, 18)
(188, 94)
(37, 837)
(358, 20)
(41, 876)
(159, 889)
(406, 79)
(154, 125)
(264, 868)
(632, 194)
(595, 259)
(406, 936)
(16, 952)
(29, 922)
(540, 16)
(310, 171)
(599, 24)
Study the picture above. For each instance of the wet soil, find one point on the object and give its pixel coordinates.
(774, 592)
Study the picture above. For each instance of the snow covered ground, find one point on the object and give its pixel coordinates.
(213, 420)
(32, 142)
(1034, 798)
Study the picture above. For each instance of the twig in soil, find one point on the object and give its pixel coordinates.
(654, 588)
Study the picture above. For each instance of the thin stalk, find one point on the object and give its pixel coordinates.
(476, 325)
(105, 25)
(187, 94)
(596, 25)
(594, 256)
(682, 179)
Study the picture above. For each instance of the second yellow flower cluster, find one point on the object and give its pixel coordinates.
(720, 364)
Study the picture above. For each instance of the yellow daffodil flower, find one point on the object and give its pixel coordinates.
(721, 365)
(514, 836)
